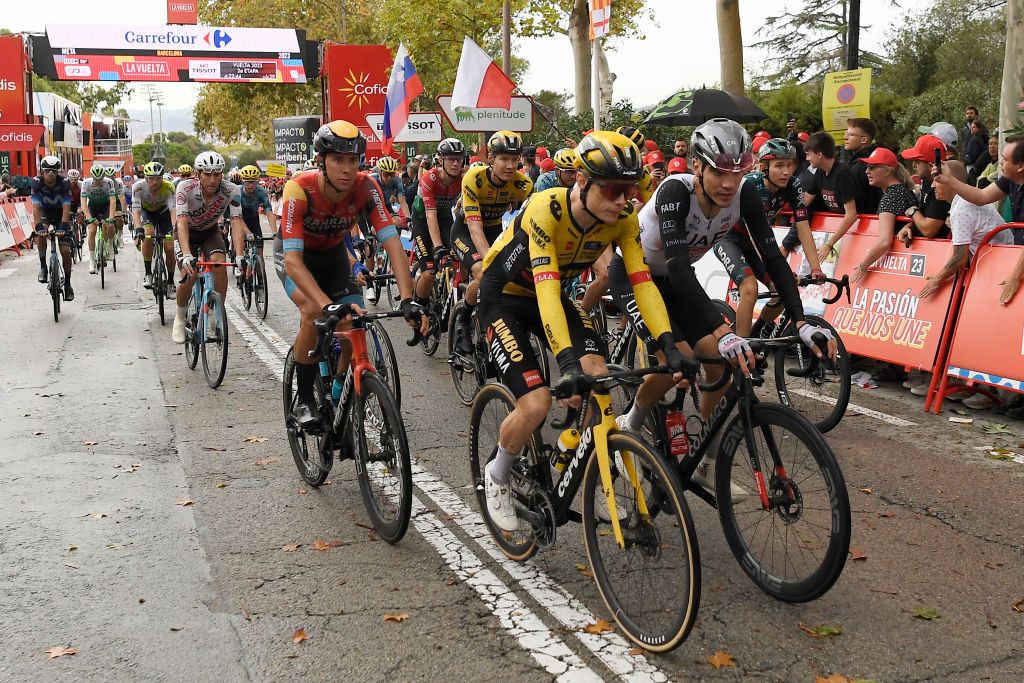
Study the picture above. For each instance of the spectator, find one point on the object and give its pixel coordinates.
(1010, 184)
(656, 161)
(885, 173)
(760, 137)
(546, 164)
(677, 165)
(986, 169)
(970, 114)
(975, 145)
(562, 173)
(930, 221)
(860, 136)
(542, 154)
(530, 166)
(793, 135)
(832, 188)
(6, 188)
(945, 132)
(969, 224)
(681, 149)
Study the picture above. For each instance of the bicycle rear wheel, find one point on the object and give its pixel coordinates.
(796, 549)
(214, 342)
(382, 458)
(382, 354)
(467, 371)
(726, 311)
(192, 332)
(260, 290)
(492, 405)
(247, 286)
(312, 470)
(101, 259)
(652, 586)
(432, 339)
(55, 292)
(822, 394)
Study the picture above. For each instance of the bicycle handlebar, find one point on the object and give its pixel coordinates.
(840, 285)
(334, 313)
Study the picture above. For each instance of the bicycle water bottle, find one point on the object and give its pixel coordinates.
(568, 440)
(678, 439)
(336, 391)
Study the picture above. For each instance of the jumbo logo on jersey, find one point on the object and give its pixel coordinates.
(217, 38)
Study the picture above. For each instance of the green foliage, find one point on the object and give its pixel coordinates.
(180, 148)
(799, 100)
(944, 102)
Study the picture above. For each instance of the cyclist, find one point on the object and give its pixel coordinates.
(488, 192)
(154, 209)
(75, 184)
(564, 173)
(320, 208)
(119, 209)
(184, 173)
(253, 198)
(128, 183)
(99, 203)
(390, 183)
(777, 187)
(51, 205)
(439, 189)
(558, 234)
(688, 216)
(199, 204)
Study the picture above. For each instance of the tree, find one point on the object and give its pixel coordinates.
(730, 45)
(180, 148)
(1013, 67)
(808, 43)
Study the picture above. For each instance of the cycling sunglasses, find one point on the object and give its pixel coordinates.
(612, 191)
(733, 164)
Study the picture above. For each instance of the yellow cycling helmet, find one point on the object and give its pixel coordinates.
(184, 170)
(566, 159)
(387, 165)
(505, 142)
(340, 137)
(634, 135)
(153, 169)
(607, 155)
(250, 172)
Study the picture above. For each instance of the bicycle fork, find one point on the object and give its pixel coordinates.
(601, 430)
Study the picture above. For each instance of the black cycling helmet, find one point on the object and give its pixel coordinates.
(607, 155)
(635, 136)
(450, 147)
(723, 144)
(505, 142)
(340, 137)
(776, 148)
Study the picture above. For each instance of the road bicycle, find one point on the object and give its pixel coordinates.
(161, 278)
(55, 273)
(106, 250)
(637, 527)
(445, 294)
(779, 491)
(206, 325)
(820, 389)
(77, 240)
(254, 283)
(359, 419)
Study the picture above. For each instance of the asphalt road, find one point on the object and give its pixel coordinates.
(144, 527)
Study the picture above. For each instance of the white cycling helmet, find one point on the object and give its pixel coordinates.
(309, 165)
(73, 174)
(209, 162)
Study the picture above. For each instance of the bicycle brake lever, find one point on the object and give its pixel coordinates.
(570, 417)
(417, 337)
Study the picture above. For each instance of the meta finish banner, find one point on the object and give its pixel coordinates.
(293, 138)
(199, 54)
(183, 12)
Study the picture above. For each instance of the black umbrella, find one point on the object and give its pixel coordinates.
(693, 107)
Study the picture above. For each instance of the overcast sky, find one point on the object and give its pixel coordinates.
(680, 47)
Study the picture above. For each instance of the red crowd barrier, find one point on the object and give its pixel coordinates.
(986, 345)
(15, 223)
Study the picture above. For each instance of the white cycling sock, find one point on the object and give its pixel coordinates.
(180, 311)
(635, 417)
(503, 462)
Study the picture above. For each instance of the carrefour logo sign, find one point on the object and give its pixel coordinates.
(215, 38)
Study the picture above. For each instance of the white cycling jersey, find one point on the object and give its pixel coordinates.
(202, 215)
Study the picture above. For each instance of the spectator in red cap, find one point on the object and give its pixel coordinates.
(656, 161)
(803, 137)
(676, 165)
(885, 173)
(651, 145)
(930, 220)
(542, 154)
(473, 159)
(546, 164)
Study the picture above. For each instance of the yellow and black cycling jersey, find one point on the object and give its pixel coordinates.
(545, 244)
(645, 189)
(482, 198)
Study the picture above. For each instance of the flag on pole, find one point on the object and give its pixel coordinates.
(600, 18)
(404, 87)
(480, 83)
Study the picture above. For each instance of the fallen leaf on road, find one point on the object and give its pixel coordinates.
(177, 627)
(398, 618)
(246, 615)
(364, 526)
(91, 443)
(290, 655)
(886, 514)
(320, 544)
(834, 678)
(822, 631)
(112, 546)
(867, 490)
(720, 659)
(372, 537)
(98, 515)
(72, 548)
(184, 502)
(291, 547)
(995, 428)
(59, 651)
(1019, 605)
(856, 554)
(266, 461)
(142, 601)
(255, 439)
(214, 448)
(37, 433)
(302, 492)
(299, 636)
(926, 613)
(584, 569)
(598, 627)
(222, 484)
(635, 651)
(70, 566)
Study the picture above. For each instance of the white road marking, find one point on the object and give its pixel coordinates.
(884, 417)
(533, 635)
(611, 648)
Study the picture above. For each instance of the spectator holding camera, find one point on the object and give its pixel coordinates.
(885, 173)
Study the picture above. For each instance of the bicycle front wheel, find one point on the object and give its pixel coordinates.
(467, 370)
(652, 585)
(382, 458)
(192, 332)
(214, 342)
(160, 284)
(247, 286)
(101, 260)
(795, 548)
(820, 394)
(310, 462)
(55, 294)
(259, 287)
(382, 354)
